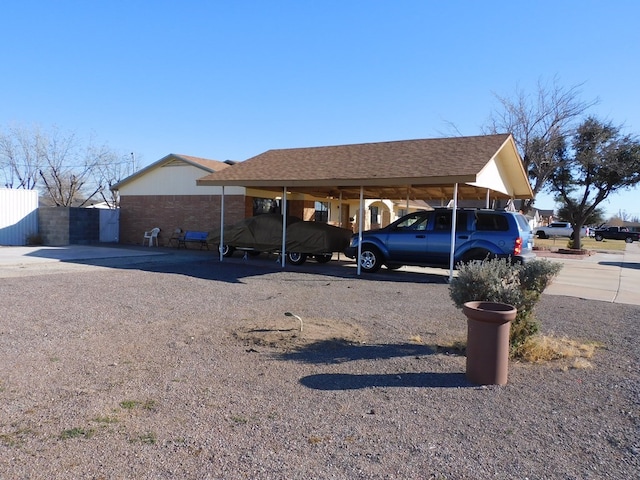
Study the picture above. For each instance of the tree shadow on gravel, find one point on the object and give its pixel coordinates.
(340, 351)
(343, 381)
(337, 350)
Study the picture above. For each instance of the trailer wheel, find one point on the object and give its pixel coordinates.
(323, 257)
(296, 258)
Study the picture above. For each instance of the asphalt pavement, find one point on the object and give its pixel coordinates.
(606, 276)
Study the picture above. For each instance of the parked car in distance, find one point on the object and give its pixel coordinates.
(424, 239)
(559, 229)
(616, 233)
(263, 233)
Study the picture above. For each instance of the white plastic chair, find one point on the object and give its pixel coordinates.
(150, 236)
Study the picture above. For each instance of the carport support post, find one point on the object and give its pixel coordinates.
(454, 219)
(360, 221)
(221, 246)
(284, 226)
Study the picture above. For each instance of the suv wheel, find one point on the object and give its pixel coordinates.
(599, 237)
(477, 255)
(227, 250)
(370, 259)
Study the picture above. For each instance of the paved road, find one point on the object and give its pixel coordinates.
(609, 277)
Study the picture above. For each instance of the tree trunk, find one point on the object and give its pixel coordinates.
(577, 239)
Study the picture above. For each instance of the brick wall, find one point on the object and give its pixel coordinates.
(188, 212)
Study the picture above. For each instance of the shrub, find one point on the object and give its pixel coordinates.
(35, 239)
(501, 280)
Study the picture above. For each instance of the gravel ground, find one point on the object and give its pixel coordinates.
(190, 370)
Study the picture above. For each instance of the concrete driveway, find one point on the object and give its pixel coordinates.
(608, 277)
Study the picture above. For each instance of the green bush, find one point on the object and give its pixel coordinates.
(500, 280)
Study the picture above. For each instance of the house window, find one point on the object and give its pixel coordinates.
(322, 212)
(265, 205)
(375, 215)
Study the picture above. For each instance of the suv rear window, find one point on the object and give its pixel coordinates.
(522, 222)
(489, 222)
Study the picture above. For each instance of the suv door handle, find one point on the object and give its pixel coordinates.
(421, 236)
(463, 237)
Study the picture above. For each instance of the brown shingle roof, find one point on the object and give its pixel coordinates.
(213, 165)
(417, 164)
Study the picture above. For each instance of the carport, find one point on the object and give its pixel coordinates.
(482, 167)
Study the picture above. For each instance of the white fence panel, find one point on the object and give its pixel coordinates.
(109, 225)
(18, 215)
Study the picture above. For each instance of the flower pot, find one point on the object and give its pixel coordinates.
(488, 325)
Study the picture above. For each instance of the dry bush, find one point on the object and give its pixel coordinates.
(544, 348)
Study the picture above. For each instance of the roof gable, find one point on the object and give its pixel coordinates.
(204, 164)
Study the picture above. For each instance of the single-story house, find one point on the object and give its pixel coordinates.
(325, 183)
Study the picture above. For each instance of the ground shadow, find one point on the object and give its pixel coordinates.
(339, 351)
(207, 265)
(632, 265)
(344, 381)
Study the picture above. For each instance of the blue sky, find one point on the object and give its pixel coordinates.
(231, 79)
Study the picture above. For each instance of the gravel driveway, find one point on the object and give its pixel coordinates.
(191, 370)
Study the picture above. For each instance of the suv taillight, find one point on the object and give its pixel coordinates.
(517, 249)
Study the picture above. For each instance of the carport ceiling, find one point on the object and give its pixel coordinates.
(424, 169)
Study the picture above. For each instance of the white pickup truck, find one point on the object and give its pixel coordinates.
(559, 229)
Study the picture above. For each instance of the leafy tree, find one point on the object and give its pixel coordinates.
(540, 125)
(599, 161)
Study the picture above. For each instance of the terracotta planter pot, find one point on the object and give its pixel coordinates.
(488, 325)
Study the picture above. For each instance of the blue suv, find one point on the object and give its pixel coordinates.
(424, 238)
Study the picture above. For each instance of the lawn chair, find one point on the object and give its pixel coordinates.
(177, 236)
(150, 236)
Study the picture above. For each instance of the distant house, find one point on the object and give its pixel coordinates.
(545, 217)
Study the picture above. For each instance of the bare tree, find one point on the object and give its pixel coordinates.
(66, 170)
(111, 172)
(20, 160)
(540, 125)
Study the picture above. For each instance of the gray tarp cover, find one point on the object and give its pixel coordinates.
(264, 233)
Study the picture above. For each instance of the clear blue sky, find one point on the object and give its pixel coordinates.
(231, 79)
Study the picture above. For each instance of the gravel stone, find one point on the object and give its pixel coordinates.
(188, 368)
